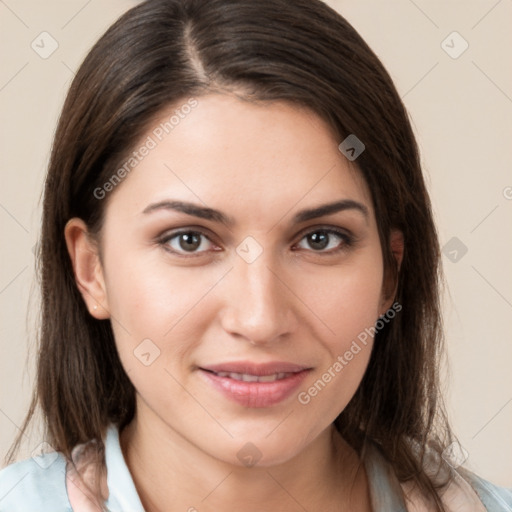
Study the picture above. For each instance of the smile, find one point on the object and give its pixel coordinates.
(255, 385)
(246, 377)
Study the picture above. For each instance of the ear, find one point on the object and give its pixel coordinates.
(87, 268)
(390, 285)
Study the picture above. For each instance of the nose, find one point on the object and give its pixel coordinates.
(258, 305)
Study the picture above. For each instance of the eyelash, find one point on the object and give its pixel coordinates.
(347, 240)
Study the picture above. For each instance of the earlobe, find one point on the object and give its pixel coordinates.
(87, 268)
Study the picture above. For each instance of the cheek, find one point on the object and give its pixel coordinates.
(149, 294)
(347, 302)
(346, 299)
(151, 300)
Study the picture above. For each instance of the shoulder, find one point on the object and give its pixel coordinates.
(494, 497)
(464, 493)
(38, 483)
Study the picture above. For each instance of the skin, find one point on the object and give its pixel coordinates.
(259, 164)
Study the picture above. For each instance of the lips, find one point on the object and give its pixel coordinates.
(255, 385)
(248, 377)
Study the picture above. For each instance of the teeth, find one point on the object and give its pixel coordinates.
(245, 377)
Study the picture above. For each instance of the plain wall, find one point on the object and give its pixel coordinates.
(461, 110)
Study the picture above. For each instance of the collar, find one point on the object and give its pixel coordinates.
(385, 490)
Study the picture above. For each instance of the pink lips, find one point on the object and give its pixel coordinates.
(255, 385)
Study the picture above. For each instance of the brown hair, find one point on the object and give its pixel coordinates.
(154, 56)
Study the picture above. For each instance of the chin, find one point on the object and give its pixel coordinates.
(262, 450)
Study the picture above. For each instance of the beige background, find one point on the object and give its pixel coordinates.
(461, 109)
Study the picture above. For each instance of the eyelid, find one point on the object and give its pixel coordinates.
(325, 227)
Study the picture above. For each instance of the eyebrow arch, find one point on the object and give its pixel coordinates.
(191, 209)
(217, 216)
(327, 209)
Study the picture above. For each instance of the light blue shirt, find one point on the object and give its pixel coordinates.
(39, 484)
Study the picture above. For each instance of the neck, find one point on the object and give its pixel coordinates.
(166, 469)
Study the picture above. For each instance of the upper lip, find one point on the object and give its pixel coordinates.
(258, 369)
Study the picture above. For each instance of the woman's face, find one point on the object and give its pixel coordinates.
(236, 306)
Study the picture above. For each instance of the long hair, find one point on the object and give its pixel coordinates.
(157, 55)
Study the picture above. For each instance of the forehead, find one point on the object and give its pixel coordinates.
(251, 157)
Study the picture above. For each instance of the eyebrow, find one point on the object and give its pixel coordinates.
(218, 216)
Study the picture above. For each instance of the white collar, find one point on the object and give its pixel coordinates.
(122, 496)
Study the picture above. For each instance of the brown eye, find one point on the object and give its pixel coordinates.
(327, 240)
(187, 242)
(318, 240)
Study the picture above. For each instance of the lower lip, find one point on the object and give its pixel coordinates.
(256, 394)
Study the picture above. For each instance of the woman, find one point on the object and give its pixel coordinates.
(240, 277)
